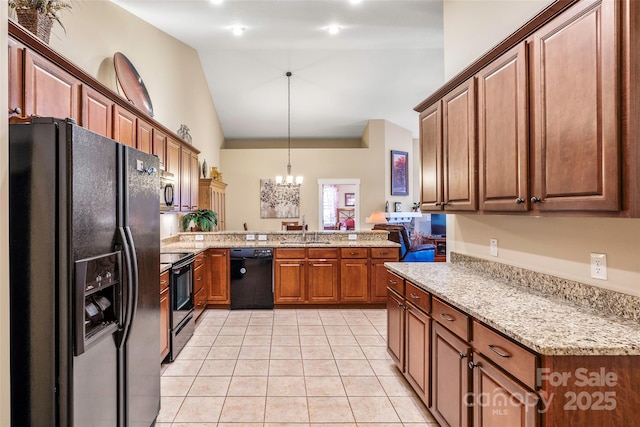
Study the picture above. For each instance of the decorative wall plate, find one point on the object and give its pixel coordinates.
(131, 83)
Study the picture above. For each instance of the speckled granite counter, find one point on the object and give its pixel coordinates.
(546, 324)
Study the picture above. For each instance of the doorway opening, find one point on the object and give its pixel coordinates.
(339, 204)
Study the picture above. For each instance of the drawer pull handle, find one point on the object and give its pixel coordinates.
(393, 282)
(414, 296)
(502, 353)
(162, 282)
(199, 278)
(447, 317)
(352, 253)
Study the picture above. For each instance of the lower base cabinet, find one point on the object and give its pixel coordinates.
(451, 382)
(418, 351)
(218, 277)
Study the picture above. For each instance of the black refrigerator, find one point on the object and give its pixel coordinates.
(84, 276)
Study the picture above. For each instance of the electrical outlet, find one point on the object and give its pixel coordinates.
(251, 237)
(199, 237)
(353, 236)
(262, 237)
(599, 266)
(493, 247)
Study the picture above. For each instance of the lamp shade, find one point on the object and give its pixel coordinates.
(376, 217)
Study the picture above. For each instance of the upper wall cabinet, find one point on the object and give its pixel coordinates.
(449, 159)
(575, 91)
(556, 117)
(97, 112)
(503, 133)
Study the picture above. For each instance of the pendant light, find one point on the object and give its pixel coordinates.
(289, 178)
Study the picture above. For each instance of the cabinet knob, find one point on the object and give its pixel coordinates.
(472, 365)
(519, 201)
(445, 203)
(462, 355)
(535, 199)
(16, 110)
(438, 203)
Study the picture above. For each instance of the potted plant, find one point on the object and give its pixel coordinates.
(38, 16)
(203, 220)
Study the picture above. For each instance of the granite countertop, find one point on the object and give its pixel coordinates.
(545, 324)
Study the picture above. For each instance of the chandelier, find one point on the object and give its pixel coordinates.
(289, 179)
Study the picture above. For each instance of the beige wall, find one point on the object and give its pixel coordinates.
(4, 237)
(558, 246)
(243, 168)
(170, 69)
(471, 27)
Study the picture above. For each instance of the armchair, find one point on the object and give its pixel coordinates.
(408, 252)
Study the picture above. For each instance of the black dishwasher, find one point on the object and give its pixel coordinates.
(251, 278)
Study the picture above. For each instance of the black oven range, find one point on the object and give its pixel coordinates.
(182, 323)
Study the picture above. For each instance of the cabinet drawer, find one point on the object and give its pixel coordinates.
(199, 303)
(417, 297)
(164, 280)
(198, 278)
(395, 282)
(385, 253)
(290, 253)
(326, 253)
(199, 260)
(516, 360)
(452, 318)
(354, 252)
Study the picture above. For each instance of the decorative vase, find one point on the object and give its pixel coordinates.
(36, 22)
(204, 168)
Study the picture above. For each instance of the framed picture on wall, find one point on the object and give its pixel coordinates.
(349, 199)
(399, 173)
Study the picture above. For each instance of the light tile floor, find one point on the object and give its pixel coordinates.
(288, 368)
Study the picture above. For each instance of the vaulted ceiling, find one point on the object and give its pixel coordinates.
(386, 58)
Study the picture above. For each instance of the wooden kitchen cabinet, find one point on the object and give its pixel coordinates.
(124, 126)
(354, 275)
(97, 111)
(449, 158)
(200, 274)
(378, 277)
(289, 275)
(165, 326)
(16, 78)
(576, 143)
(144, 140)
(451, 381)
(500, 401)
(185, 180)
(418, 351)
(160, 147)
(218, 276)
(503, 133)
(395, 327)
(212, 196)
(49, 91)
(322, 275)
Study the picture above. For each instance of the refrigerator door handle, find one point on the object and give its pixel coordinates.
(126, 321)
(134, 296)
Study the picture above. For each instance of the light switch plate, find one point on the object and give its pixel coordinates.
(493, 247)
(262, 237)
(353, 236)
(199, 237)
(251, 237)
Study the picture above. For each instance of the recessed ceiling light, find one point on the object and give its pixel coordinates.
(220, 1)
(237, 30)
(355, 1)
(333, 28)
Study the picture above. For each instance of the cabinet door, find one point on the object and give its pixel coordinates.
(48, 90)
(199, 303)
(185, 180)
(575, 91)
(97, 112)
(498, 400)
(160, 147)
(173, 165)
(218, 276)
(164, 323)
(395, 328)
(322, 279)
(503, 133)
(289, 281)
(195, 178)
(379, 279)
(459, 148)
(354, 280)
(16, 79)
(124, 126)
(450, 384)
(431, 153)
(144, 140)
(418, 351)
